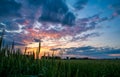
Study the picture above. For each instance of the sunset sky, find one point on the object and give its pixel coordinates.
(83, 28)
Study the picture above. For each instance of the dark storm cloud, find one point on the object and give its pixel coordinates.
(19, 38)
(52, 11)
(57, 11)
(89, 49)
(79, 50)
(101, 52)
(9, 8)
(20, 21)
(117, 7)
(11, 26)
(36, 2)
(80, 4)
(103, 19)
(10, 37)
(69, 19)
(9, 42)
(2, 26)
(36, 40)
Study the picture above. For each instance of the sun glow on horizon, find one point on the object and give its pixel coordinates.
(44, 50)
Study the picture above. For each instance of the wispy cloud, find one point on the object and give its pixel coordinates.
(28, 20)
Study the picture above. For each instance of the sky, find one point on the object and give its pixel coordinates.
(82, 28)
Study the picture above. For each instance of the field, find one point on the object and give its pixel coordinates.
(15, 64)
(22, 66)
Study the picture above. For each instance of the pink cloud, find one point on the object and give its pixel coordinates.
(117, 55)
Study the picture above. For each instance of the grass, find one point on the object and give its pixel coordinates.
(20, 65)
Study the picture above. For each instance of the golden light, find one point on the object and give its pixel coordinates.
(44, 49)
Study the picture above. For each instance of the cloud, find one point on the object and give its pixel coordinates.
(52, 11)
(116, 7)
(37, 40)
(8, 42)
(46, 19)
(2, 26)
(114, 55)
(80, 4)
(9, 8)
(11, 26)
(10, 37)
(36, 2)
(57, 11)
(98, 52)
(57, 31)
(85, 37)
(69, 19)
(79, 50)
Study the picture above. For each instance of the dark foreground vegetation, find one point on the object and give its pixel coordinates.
(22, 66)
(15, 64)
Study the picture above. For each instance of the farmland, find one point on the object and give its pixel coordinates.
(22, 66)
(59, 38)
(15, 64)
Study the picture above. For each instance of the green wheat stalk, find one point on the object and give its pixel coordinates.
(39, 48)
(1, 38)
